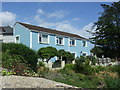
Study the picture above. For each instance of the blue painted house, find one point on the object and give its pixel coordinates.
(37, 37)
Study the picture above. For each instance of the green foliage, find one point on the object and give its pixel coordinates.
(92, 59)
(111, 82)
(47, 53)
(41, 64)
(5, 72)
(28, 54)
(64, 55)
(107, 34)
(69, 67)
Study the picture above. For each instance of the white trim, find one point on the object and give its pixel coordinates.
(60, 37)
(44, 34)
(15, 38)
(69, 42)
(85, 43)
(30, 39)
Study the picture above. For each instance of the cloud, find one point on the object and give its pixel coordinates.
(88, 27)
(7, 18)
(64, 25)
(76, 19)
(57, 14)
(40, 11)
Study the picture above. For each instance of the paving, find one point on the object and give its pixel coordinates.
(30, 82)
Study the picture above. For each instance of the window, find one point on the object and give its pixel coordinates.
(84, 54)
(17, 39)
(74, 54)
(84, 43)
(72, 42)
(43, 38)
(59, 40)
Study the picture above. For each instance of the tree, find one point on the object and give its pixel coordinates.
(107, 33)
(66, 56)
(47, 53)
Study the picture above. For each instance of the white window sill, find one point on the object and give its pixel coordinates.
(43, 43)
(60, 44)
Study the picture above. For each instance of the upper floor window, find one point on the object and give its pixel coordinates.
(59, 40)
(43, 38)
(72, 42)
(84, 43)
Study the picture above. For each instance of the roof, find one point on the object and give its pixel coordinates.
(7, 30)
(42, 29)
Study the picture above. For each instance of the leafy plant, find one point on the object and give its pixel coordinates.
(47, 53)
(28, 54)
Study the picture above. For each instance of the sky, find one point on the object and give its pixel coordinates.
(72, 17)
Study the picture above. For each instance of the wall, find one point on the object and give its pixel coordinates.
(24, 34)
(8, 39)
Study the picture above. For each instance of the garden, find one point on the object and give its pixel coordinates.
(18, 59)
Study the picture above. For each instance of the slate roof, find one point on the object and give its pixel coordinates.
(56, 32)
(7, 30)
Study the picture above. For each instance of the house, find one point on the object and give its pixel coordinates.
(37, 37)
(6, 34)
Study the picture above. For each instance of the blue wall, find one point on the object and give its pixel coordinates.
(25, 39)
(24, 34)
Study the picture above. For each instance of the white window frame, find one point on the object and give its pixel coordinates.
(85, 43)
(16, 40)
(42, 41)
(57, 38)
(70, 40)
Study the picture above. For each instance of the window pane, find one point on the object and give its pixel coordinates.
(40, 38)
(84, 43)
(73, 42)
(73, 55)
(59, 40)
(45, 38)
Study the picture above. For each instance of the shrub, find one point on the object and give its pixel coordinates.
(41, 64)
(47, 53)
(66, 56)
(69, 67)
(112, 82)
(15, 63)
(82, 66)
(6, 72)
(28, 54)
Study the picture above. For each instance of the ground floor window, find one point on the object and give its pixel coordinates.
(17, 39)
(84, 53)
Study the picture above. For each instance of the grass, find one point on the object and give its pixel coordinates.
(102, 79)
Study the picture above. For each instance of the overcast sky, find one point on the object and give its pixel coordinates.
(73, 17)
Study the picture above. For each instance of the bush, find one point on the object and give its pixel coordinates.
(28, 54)
(112, 82)
(82, 66)
(41, 64)
(64, 55)
(15, 63)
(47, 53)
(69, 67)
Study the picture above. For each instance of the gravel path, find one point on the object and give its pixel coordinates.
(29, 82)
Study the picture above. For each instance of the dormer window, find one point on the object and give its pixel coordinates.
(84, 43)
(72, 42)
(43, 38)
(59, 41)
